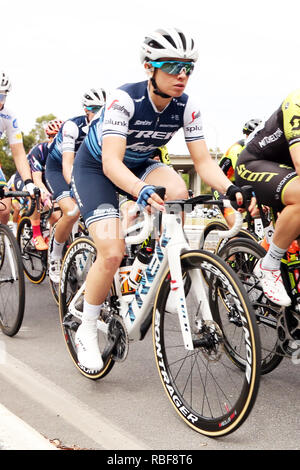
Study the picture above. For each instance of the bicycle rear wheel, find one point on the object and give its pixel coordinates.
(242, 255)
(34, 261)
(53, 285)
(76, 264)
(208, 391)
(12, 284)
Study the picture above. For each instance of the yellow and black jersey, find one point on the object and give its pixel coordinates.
(230, 157)
(273, 139)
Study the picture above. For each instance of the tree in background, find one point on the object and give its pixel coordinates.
(35, 136)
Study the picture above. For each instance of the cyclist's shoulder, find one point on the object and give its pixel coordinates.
(78, 121)
(7, 115)
(292, 99)
(234, 148)
(134, 90)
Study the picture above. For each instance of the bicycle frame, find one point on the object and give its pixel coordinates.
(170, 244)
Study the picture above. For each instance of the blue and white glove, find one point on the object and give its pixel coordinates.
(144, 195)
(30, 187)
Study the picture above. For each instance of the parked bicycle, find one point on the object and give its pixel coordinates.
(188, 316)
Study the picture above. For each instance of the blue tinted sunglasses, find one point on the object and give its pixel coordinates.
(173, 67)
(2, 97)
(94, 109)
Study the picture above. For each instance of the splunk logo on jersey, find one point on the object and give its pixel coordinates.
(113, 122)
(115, 106)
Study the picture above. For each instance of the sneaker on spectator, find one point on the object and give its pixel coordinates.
(272, 285)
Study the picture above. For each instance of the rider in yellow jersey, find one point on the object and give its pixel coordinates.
(270, 162)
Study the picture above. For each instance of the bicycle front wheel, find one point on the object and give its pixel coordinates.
(34, 261)
(12, 284)
(208, 391)
(242, 255)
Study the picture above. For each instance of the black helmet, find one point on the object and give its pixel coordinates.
(251, 125)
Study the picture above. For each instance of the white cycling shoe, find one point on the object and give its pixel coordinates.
(86, 341)
(54, 270)
(271, 282)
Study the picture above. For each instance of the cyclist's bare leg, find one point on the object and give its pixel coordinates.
(289, 216)
(110, 251)
(172, 181)
(65, 223)
(5, 210)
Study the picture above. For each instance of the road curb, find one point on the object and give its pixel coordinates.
(15, 434)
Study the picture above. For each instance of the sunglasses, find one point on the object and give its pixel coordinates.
(94, 109)
(174, 67)
(2, 97)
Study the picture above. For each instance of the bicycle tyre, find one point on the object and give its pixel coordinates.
(54, 287)
(242, 255)
(34, 261)
(216, 245)
(12, 285)
(69, 285)
(181, 370)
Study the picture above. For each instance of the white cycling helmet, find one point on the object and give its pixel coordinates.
(169, 42)
(5, 85)
(94, 97)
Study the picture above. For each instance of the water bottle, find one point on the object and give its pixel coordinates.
(140, 263)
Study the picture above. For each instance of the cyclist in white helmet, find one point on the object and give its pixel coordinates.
(116, 156)
(59, 166)
(9, 126)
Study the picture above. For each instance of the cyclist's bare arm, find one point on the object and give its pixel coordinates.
(210, 171)
(21, 161)
(295, 154)
(113, 150)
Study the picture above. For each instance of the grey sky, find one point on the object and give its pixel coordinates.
(249, 57)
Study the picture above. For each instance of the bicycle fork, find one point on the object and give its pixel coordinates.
(10, 259)
(177, 288)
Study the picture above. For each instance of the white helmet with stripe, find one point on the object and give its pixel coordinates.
(169, 42)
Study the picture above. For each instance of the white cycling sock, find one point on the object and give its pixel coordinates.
(273, 257)
(90, 312)
(57, 249)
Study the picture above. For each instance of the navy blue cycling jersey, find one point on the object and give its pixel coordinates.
(131, 114)
(37, 156)
(69, 137)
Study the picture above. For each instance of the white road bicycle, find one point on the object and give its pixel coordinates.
(189, 297)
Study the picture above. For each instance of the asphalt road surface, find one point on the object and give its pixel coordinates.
(128, 409)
